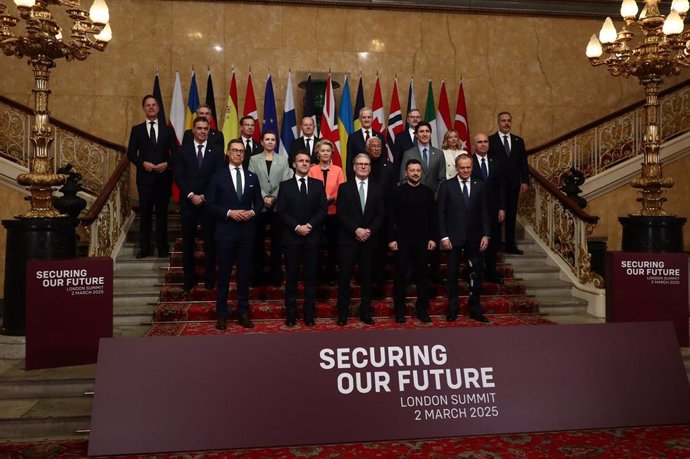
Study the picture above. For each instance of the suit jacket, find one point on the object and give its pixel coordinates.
(516, 170)
(141, 149)
(433, 175)
(298, 144)
(222, 197)
(463, 223)
(214, 137)
(334, 178)
(351, 217)
(189, 177)
(495, 184)
(256, 149)
(295, 210)
(403, 142)
(356, 145)
(383, 173)
(270, 183)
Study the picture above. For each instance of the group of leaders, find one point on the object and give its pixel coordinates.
(426, 199)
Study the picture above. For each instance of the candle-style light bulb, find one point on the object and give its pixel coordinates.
(27, 3)
(673, 25)
(99, 12)
(594, 47)
(629, 9)
(608, 33)
(105, 35)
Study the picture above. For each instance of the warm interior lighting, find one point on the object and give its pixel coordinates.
(106, 34)
(673, 25)
(643, 14)
(629, 9)
(608, 33)
(681, 6)
(27, 3)
(99, 12)
(58, 36)
(594, 47)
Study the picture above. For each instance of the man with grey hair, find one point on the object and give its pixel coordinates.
(356, 142)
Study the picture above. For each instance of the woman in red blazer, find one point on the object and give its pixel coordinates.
(332, 176)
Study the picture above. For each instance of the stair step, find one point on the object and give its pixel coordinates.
(561, 305)
(60, 416)
(548, 287)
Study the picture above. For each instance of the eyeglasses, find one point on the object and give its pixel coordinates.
(237, 150)
(362, 164)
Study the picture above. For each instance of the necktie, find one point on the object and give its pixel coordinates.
(306, 142)
(199, 155)
(238, 183)
(506, 145)
(465, 192)
(152, 132)
(302, 187)
(248, 150)
(362, 198)
(485, 171)
(425, 158)
(366, 136)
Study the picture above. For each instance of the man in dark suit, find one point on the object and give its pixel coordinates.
(361, 214)
(463, 222)
(234, 198)
(251, 148)
(489, 169)
(150, 145)
(432, 159)
(510, 147)
(357, 141)
(411, 221)
(195, 162)
(306, 142)
(406, 140)
(214, 137)
(302, 206)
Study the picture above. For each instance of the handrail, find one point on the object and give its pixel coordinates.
(604, 119)
(565, 200)
(103, 196)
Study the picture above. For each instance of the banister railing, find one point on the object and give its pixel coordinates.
(608, 141)
(561, 225)
(102, 164)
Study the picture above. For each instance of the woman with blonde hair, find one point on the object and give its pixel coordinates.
(451, 150)
(332, 176)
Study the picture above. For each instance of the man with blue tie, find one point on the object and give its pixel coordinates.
(195, 162)
(463, 224)
(302, 206)
(234, 197)
(432, 159)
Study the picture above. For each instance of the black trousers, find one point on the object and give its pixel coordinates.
(154, 196)
(475, 260)
(268, 224)
(305, 255)
(414, 253)
(512, 199)
(349, 255)
(233, 252)
(191, 217)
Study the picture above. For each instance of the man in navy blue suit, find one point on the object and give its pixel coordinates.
(234, 197)
(357, 141)
(149, 149)
(302, 206)
(463, 224)
(195, 162)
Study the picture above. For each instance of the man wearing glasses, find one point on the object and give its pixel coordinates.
(234, 197)
(361, 215)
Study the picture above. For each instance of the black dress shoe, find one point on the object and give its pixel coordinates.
(309, 322)
(221, 324)
(452, 316)
(142, 254)
(342, 320)
(424, 318)
(208, 285)
(479, 318)
(367, 319)
(291, 322)
(245, 321)
(400, 319)
(513, 251)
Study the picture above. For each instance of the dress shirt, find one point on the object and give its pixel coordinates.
(469, 185)
(310, 149)
(306, 182)
(486, 161)
(155, 127)
(196, 149)
(366, 186)
(503, 136)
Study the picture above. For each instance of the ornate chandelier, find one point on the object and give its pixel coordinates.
(649, 47)
(42, 42)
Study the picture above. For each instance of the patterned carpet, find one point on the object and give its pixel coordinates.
(655, 442)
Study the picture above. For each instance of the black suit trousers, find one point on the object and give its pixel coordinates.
(349, 255)
(154, 196)
(475, 261)
(268, 224)
(191, 217)
(512, 200)
(417, 254)
(231, 252)
(307, 256)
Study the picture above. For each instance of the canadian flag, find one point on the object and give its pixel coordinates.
(329, 128)
(251, 110)
(377, 106)
(462, 124)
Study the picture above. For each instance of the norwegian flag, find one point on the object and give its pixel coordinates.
(462, 124)
(251, 110)
(329, 128)
(377, 107)
(395, 122)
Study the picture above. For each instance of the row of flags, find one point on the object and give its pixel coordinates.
(334, 127)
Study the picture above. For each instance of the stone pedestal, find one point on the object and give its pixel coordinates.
(652, 234)
(27, 239)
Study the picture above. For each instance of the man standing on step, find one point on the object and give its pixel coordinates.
(412, 220)
(215, 137)
(302, 206)
(463, 224)
(251, 148)
(361, 214)
(234, 197)
(195, 162)
(511, 148)
(150, 145)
